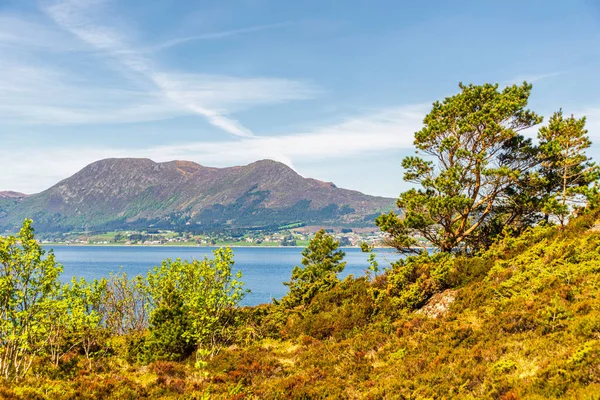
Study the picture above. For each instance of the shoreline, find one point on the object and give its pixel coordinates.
(193, 246)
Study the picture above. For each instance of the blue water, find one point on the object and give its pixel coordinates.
(264, 269)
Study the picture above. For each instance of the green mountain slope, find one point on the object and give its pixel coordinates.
(131, 193)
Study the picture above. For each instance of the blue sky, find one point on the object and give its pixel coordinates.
(334, 89)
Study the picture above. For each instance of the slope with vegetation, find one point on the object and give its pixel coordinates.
(506, 307)
(525, 323)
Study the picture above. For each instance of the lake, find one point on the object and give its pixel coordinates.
(264, 269)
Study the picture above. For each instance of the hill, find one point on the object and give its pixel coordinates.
(520, 321)
(138, 193)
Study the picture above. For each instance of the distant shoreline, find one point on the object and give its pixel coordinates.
(184, 245)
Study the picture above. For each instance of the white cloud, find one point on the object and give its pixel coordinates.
(388, 129)
(215, 35)
(42, 95)
(228, 94)
(40, 86)
(212, 97)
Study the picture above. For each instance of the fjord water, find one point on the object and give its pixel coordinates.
(264, 269)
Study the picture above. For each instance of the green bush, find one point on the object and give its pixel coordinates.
(412, 281)
(193, 306)
(171, 330)
(339, 313)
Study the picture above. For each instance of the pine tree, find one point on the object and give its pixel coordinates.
(322, 262)
(566, 169)
(465, 171)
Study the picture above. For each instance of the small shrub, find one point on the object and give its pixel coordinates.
(168, 368)
(504, 367)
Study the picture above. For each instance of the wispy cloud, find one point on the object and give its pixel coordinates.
(74, 15)
(38, 89)
(388, 129)
(216, 35)
(531, 78)
(45, 96)
(17, 33)
(227, 94)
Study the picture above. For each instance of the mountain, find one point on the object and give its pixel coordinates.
(12, 195)
(8, 199)
(139, 193)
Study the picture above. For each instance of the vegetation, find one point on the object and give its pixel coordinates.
(566, 170)
(191, 306)
(523, 324)
(322, 262)
(295, 236)
(179, 308)
(29, 290)
(507, 306)
(482, 177)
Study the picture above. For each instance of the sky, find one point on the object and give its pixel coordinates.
(334, 89)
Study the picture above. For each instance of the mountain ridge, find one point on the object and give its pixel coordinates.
(134, 192)
(9, 194)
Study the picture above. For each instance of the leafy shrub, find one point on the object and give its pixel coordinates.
(193, 306)
(29, 290)
(125, 304)
(588, 327)
(412, 281)
(338, 313)
(170, 328)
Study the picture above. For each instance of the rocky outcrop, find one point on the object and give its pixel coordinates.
(439, 304)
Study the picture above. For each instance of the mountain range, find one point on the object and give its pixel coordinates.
(128, 193)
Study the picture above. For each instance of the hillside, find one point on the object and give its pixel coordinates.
(132, 193)
(520, 321)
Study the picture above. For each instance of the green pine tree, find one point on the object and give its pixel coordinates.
(322, 261)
